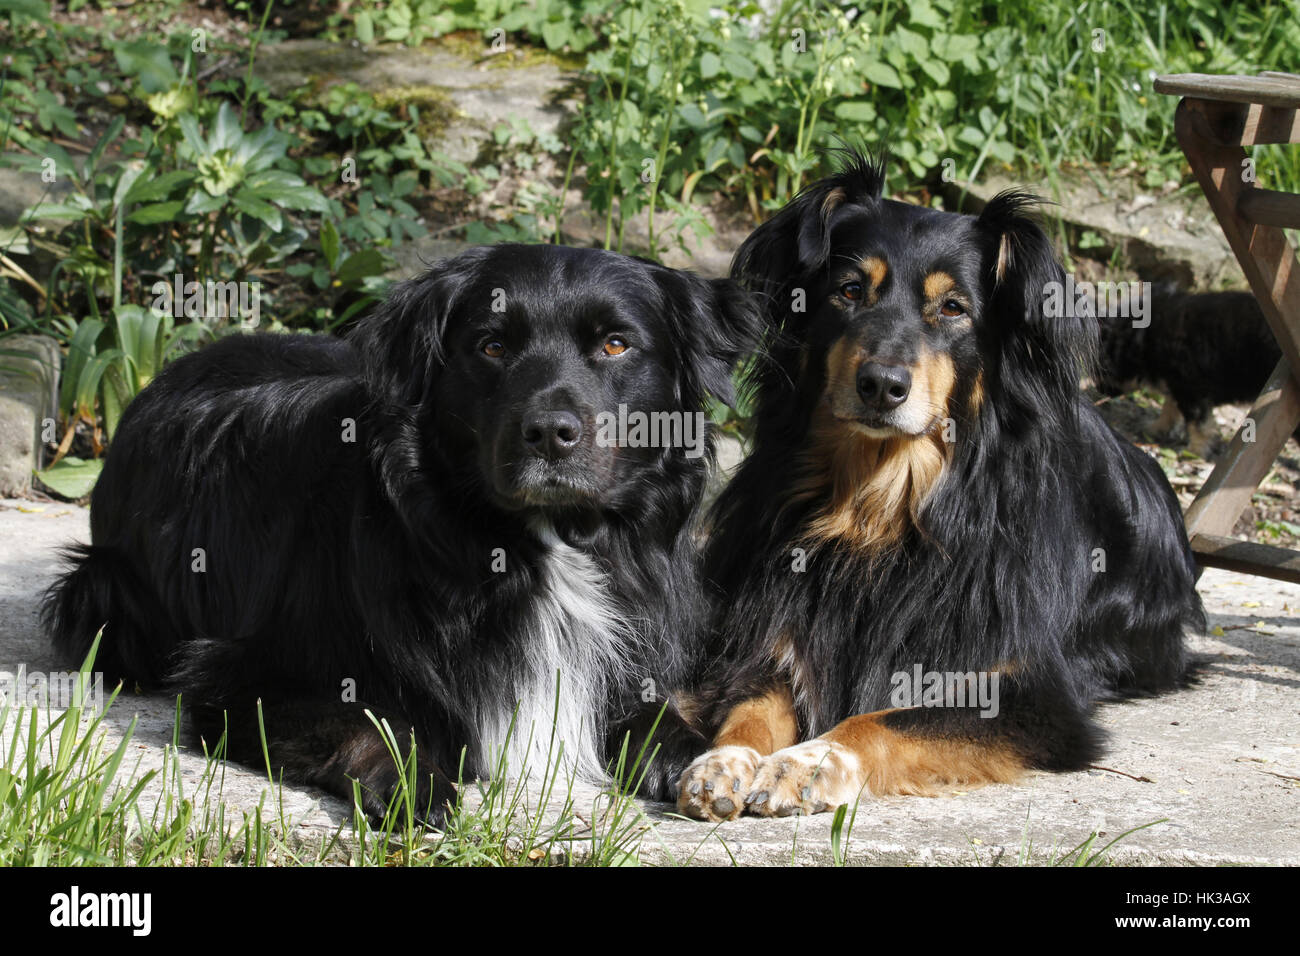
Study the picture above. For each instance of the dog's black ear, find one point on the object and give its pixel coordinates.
(401, 342)
(796, 241)
(715, 324)
(1047, 344)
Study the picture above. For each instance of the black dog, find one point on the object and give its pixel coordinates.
(1202, 350)
(423, 521)
(938, 556)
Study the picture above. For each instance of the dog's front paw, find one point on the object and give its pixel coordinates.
(384, 791)
(806, 778)
(714, 785)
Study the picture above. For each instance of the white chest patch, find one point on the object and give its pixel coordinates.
(574, 631)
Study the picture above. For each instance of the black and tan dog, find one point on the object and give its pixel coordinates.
(1200, 349)
(938, 556)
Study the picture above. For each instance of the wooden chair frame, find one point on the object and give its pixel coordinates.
(1217, 118)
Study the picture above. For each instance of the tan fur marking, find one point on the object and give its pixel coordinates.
(833, 199)
(876, 487)
(937, 377)
(786, 658)
(937, 284)
(1004, 257)
(688, 705)
(842, 363)
(977, 393)
(765, 723)
(875, 269)
(898, 763)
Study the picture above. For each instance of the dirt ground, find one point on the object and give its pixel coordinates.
(1272, 517)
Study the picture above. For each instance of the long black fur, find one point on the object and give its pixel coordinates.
(998, 573)
(331, 561)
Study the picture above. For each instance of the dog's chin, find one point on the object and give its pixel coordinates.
(545, 487)
(554, 496)
(857, 420)
(880, 427)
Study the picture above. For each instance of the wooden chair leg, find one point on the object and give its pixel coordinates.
(1228, 490)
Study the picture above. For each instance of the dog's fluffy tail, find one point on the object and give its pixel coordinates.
(100, 590)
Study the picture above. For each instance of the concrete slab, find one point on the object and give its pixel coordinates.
(477, 94)
(1219, 762)
(1158, 236)
(29, 373)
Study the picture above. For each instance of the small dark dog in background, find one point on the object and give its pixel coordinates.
(1199, 349)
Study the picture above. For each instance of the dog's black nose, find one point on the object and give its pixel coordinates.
(552, 435)
(883, 387)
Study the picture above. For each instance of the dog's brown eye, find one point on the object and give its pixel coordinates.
(951, 308)
(851, 291)
(494, 349)
(615, 346)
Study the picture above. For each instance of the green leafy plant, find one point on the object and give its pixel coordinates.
(356, 276)
(108, 365)
(239, 182)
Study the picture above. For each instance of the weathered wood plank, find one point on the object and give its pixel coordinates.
(1270, 90)
(1265, 256)
(1247, 557)
(1228, 490)
(1240, 124)
(1268, 207)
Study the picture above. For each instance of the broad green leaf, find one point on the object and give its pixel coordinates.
(291, 197)
(200, 203)
(72, 477)
(856, 111)
(126, 180)
(881, 74)
(738, 66)
(32, 9)
(111, 132)
(258, 151)
(81, 349)
(149, 62)
(189, 125)
(159, 187)
(913, 44)
(923, 14)
(157, 212)
(935, 69)
(248, 203)
(116, 395)
(329, 242)
(556, 33)
(75, 208)
(13, 241)
(954, 46)
(226, 132)
(367, 262)
(365, 27)
(88, 382)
